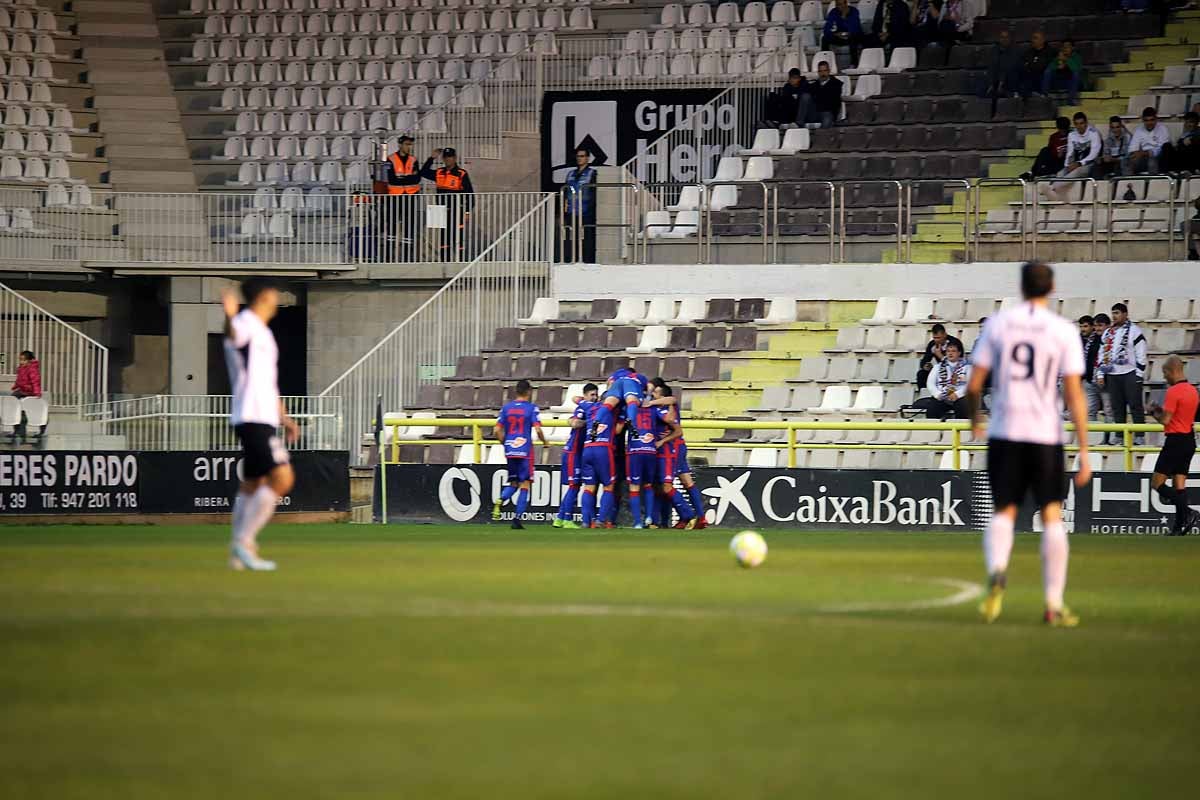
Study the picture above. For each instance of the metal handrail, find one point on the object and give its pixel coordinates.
(976, 204)
(1147, 179)
(956, 428)
(908, 204)
(1036, 203)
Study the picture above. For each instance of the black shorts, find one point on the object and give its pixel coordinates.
(1017, 468)
(262, 450)
(1176, 455)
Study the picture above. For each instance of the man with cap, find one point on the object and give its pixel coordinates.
(402, 217)
(456, 193)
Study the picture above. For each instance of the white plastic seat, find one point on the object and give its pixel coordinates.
(249, 174)
(917, 311)
(653, 337)
(657, 223)
(687, 223)
(722, 197)
(871, 60)
(690, 309)
(711, 64)
(689, 198)
(903, 58)
(765, 457)
(331, 173)
(628, 310)
(683, 66)
(867, 400)
(672, 15)
(729, 168)
(35, 169)
(795, 140)
(886, 310)
(719, 39)
(544, 308)
(782, 311)
(755, 13)
(664, 41)
(252, 225)
(834, 400)
(759, 168)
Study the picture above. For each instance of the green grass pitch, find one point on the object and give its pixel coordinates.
(476, 662)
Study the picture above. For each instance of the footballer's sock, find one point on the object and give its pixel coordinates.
(239, 514)
(635, 507)
(607, 511)
(664, 510)
(1167, 493)
(648, 502)
(997, 544)
(697, 502)
(1055, 550)
(259, 509)
(1182, 510)
(589, 507)
(567, 509)
(681, 505)
(506, 494)
(522, 502)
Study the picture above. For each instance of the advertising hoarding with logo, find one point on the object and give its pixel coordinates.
(192, 482)
(615, 126)
(764, 498)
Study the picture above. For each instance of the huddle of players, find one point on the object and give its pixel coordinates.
(634, 414)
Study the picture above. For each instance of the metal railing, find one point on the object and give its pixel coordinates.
(257, 230)
(959, 430)
(494, 289)
(73, 365)
(201, 422)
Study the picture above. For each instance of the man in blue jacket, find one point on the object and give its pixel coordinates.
(579, 208)
(843, 28)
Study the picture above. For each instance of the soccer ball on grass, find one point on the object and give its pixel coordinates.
(749, 548)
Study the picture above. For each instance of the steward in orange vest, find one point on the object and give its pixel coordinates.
(402, 174)
(455, 191)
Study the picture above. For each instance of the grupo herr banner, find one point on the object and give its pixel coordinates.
(123, 482)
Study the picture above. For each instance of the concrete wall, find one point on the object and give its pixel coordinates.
(870, 281)
(345, 321)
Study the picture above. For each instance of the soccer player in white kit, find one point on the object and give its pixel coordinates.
(1026, 349)
(252, 358)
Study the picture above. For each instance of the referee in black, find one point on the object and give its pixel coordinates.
(1178, 417)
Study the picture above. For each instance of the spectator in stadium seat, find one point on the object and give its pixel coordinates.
(27, 384)
(1185, 155)
(1038, 56)
(1064, 73)
(925, 17)
(1051, 158)
(843, 28)
(823, 101)
(1150, 147)
(891, 27)
(1083, 148)
(935, 351)
(955, 24)
(783, 105)
(948, 385)
(1115, 153)
(1004, 68)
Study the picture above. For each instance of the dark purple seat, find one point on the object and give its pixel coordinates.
(622, 337)
(942, 138)
(595, 337)
(719, 310)
(743, 337)
(566, 339)
(974, 137)
(907, 168)
(536, 339)
(878, 167)
(505, 339)
(611, 364)
(461, 396)
(429, 395)
(948, 110)
(587, 368)
(412, 454)
(712, 337)
(860, 113)
(682, 337)
(439, 454)
(491, 397)
(549, 394)
(854, 140)
(889, 111)
(912, 137)
(750, 309)
(966, 165)
(918, 109)
(468, 368)
(497, 366)
(676, 368)
(706, 368)
(601, 310)
(558, 367)
(648, 365)
(820, 168)
(528, 367)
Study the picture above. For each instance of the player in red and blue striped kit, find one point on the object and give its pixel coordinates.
(672, 460)
(641, 463)
(572, 456)
(515, 426)
(599, 465)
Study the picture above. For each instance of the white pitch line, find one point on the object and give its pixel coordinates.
(967, 592)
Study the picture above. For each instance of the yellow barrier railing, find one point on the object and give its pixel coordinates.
(957, 429)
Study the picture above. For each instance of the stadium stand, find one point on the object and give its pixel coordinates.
(861, 371)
